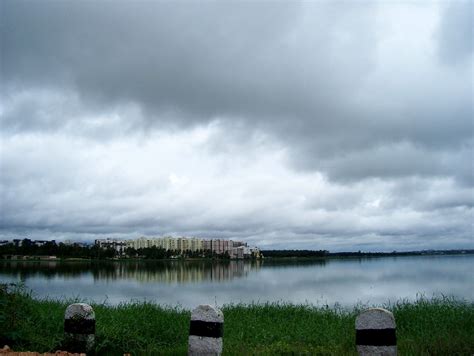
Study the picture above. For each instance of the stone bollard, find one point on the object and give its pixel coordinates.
(206, 331)
(79, 328)
(375, 333)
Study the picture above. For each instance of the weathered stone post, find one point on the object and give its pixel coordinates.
(375, 333)
(206, 331)
(79, 328)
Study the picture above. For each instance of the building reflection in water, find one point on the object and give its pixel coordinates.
(141, 271)
(347, 282)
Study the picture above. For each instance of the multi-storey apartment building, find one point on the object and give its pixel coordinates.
(141, 242)
(235, 249)
(195, 244)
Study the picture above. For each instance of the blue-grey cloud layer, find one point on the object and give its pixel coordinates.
(352, 93)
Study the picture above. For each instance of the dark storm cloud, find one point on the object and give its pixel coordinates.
(295, 70)
(271, 66)
(164, 56)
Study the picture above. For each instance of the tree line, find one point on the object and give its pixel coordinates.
(28, 247)
(51, 248)
(324, 253)
(295, 253)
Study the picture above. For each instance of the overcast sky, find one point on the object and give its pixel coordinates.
(326, 125)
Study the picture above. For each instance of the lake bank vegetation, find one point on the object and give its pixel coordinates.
(325, 253)
(440, 326)
(50, 250)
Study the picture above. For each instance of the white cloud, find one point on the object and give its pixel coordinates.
(172, 182)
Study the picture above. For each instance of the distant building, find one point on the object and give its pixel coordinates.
(39, 243)
(117, 245)
(182, 245)
(42, 242)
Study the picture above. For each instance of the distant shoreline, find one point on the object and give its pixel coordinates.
(289, 254)
(335, 255)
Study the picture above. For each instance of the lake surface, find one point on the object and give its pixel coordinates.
(189, 283)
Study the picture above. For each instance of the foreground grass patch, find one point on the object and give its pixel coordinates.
(442, 326)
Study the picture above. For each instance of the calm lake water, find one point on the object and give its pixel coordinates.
(187, 284)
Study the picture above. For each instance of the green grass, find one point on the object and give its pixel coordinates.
(442, 326)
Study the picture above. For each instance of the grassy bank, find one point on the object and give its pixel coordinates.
(426, 327)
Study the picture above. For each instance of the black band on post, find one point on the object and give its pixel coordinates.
(79, 326)
(376, 337)
(206, 328)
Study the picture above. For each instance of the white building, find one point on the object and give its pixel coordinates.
(235, 249)
(117, 245)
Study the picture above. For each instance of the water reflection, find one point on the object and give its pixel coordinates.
(188, 283)
(142, 271)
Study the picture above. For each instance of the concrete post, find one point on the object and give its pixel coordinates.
(79, 328)
(375, 333)
(206, 331)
